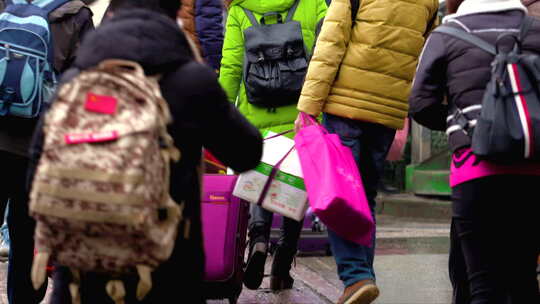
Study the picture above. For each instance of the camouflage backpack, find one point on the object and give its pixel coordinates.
(101, 191)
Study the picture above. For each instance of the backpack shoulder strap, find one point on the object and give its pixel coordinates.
(525, 26)
(251, 17)
(292, 11)
(355, 6)
(467, 37)
(49, 5)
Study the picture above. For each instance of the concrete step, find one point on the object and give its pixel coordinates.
(408, 205)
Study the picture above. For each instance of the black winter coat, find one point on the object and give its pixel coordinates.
(457, 71)
(202, 116)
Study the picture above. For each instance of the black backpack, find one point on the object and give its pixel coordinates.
(508, 127)
(276, 60)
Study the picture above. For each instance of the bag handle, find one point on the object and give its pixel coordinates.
(272, 176)
(275, 169)
(279, 134)
(307, 120)
(122, 66)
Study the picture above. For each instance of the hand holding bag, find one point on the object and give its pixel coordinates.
(335, 190)
(399, 143)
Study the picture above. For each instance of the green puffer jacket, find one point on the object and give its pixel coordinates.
(308, 13)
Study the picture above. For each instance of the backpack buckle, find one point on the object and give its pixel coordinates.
(261, 57)
(290, 52)
(463, 122)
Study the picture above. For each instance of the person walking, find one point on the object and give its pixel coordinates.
(452, 78)
(202, 116)
(359, 78)
(202, 20)
(210, 31)
(277, 119)
(69, 23)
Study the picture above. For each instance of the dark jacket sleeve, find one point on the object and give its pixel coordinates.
(209, 26)
(199, 104)
(428, 91)
(68, 31)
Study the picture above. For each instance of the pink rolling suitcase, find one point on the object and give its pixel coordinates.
(225, 221)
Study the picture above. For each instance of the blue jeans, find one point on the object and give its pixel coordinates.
(370, 144)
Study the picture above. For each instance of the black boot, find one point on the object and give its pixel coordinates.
(258, 251)
(280, 278)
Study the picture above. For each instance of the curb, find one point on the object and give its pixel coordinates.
(411, 206)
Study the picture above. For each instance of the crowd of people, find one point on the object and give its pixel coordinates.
(365, 67)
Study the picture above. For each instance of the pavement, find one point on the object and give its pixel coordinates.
(411, 260)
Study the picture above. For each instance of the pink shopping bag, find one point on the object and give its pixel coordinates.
(335, 190)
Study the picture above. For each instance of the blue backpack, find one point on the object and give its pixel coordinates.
(27, 78)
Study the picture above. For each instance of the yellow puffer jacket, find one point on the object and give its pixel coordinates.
(365, 72)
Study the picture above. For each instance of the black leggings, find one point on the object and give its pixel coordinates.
(496, 240)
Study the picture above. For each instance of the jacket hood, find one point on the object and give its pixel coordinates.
(471, 7)
(153, 40)
(265, 6)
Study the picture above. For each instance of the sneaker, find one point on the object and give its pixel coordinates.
(362, 292)
(254, 274)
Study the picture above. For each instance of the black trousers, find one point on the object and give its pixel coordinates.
(495, 240)
(21, 230)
